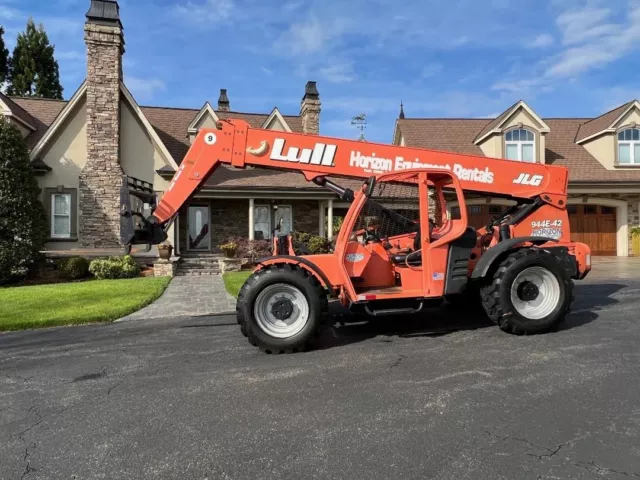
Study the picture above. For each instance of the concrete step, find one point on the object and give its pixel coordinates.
(197, 264)
(199, 271)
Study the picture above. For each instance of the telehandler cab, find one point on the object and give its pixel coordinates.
(400, 249)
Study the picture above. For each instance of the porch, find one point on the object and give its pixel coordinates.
(208, 221)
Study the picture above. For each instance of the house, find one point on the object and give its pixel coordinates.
(80, 148)
(602, 155)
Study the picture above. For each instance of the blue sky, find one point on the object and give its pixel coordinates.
(454, 58)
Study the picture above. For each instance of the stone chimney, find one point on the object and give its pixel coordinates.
(101, 177)
(223, 101)
(310, 109)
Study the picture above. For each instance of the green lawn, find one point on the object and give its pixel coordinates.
(233, 281)
(77, 302)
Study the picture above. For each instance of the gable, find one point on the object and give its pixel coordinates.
(66, 151)
(140, 157)
(275, 121)
(601, 124)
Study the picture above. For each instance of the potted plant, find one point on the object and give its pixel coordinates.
(635, 240)
(229, 249)
(164, 250)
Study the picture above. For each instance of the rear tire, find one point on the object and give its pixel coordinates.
(282, 309)
(530, 293)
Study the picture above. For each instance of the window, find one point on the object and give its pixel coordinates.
(629, 146)
(520, 145)
(495, 210)
(61, 215)
(475, 209)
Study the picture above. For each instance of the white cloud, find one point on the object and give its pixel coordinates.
(266, 71)
(310, 36)
(207, 13)
(592, 43)
(8, 13)
(338, 73)
(143, 88)
(542, 40)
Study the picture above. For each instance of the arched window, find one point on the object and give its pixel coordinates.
(629, 146)
(520, 145)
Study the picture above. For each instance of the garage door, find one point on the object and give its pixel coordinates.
(479, 215)
(594, 225)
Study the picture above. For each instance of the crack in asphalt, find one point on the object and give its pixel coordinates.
(552, 451)
(398, 361)
(593, 468)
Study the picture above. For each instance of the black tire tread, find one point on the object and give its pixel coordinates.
(490, 294)
(289, 269)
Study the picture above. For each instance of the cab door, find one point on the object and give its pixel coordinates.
(447, 247)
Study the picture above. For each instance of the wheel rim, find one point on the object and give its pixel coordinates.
(535, 292)
(281, 310)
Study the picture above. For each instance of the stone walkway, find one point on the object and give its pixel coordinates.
(189, 296)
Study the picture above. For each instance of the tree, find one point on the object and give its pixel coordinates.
(33, 67)
(4, 59)
(23, 221)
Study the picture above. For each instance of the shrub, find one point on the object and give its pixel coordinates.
(23, 222)
(115, 267)
(257, 249)
(74, 268)
(315, 243)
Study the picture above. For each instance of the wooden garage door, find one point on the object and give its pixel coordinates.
(594, 225)
(479, 215)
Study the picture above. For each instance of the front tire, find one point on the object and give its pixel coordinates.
(530, 293)
(282, 308)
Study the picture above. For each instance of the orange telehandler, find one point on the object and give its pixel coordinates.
(389, 258)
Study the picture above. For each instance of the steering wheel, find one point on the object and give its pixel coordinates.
(370, 234)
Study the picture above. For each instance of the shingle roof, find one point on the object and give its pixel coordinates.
(226, 177)
(598, 124)
(493, 124)
(172, 124)
(43, 111)
(17, 110)
(457, 135)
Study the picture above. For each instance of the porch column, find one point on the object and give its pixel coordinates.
(251, 211)
(321, 218)
(177, 235)
(330, 219)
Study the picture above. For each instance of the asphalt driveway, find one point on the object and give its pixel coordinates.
(443, 397)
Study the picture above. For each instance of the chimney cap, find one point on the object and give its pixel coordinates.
(311, 91)
(104, 12)
(223, 96)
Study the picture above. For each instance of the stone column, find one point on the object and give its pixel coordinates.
(310, 109)
(100, 179)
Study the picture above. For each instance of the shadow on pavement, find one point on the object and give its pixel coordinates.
(442, 321)
(589, 299)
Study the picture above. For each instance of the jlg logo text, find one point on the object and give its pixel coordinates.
(527, 179)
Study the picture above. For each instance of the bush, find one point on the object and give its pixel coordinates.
(115, 267)
(315, 243)
(257, 249)
(74, 268)
(23, 222)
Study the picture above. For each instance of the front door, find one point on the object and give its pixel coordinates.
(199, 228)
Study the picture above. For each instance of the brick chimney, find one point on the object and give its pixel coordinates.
(223, 101)
(310, 109)
(100, 178)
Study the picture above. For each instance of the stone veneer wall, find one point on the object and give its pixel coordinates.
(99, 181)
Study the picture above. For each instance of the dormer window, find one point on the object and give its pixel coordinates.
(520, 145)
(629, 146)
